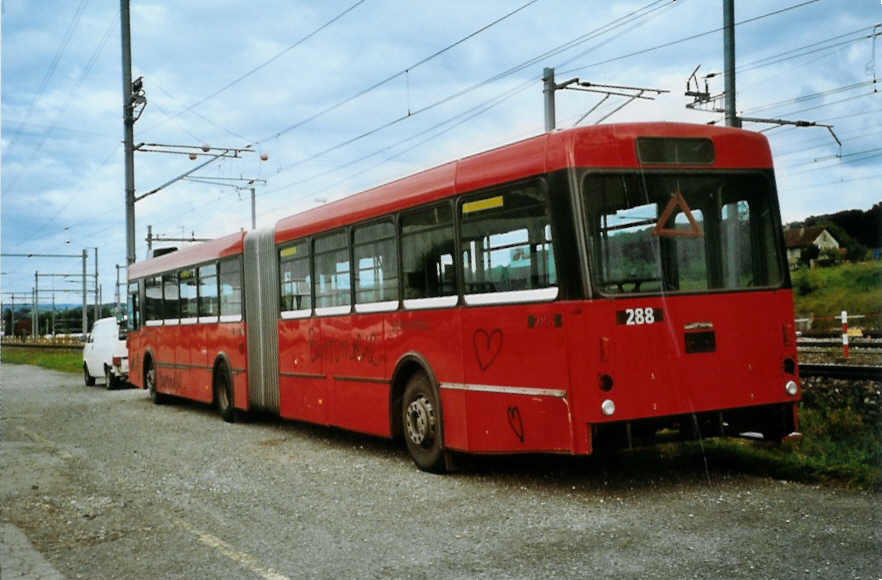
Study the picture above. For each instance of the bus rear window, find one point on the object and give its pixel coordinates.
(688, 233)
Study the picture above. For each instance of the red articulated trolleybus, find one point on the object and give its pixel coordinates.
(578, 289)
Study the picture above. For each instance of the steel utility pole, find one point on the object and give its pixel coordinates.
(129, 123)
(732, 119)
(36, 318)
(97, 297)
(548, 88)
(85, 312)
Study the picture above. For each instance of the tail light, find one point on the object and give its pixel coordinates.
(117, 360)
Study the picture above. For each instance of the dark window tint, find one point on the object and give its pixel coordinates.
(376, 263)
(208, 304)
(675, 151)
(188, 293)
(506, 242)
(427, 251)
(230, 288)
(170, 297)
(153, 298)
(294, 277)
(332, 271)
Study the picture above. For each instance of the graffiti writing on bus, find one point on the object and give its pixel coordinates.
(361, 348)
(544, 321)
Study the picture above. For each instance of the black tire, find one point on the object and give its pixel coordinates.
(109, 378)
(223, 393)
(421, 424)
(87, 378)
(150, 384)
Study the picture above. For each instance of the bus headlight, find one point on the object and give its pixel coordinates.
(792, 388)
(608, 407)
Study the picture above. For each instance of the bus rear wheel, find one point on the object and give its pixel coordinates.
(421, 424)
(223, 393)
(150, 384)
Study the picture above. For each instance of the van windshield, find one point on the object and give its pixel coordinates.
(653, 233)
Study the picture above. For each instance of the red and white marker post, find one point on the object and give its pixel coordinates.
(844, 334)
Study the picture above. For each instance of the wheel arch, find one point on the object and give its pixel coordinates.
(407, 365)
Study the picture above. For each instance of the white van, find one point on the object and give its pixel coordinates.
(106, 353)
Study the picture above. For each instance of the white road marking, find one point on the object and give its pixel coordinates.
(245, 560)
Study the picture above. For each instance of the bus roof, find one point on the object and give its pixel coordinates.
(230, 245)
(607, 146)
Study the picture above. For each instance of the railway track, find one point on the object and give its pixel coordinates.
(837, 371)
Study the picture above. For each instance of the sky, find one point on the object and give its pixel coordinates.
(343, 95)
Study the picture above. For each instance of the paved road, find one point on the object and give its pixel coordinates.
(106, 485)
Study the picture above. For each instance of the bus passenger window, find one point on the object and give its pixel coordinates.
(427, 250)
(294, 278)
(187, 289)
(153, 298)
(133, 321)
(170, 298)
(376, 264)
(331, 283)
(506, 244)
(208, 305)
(231, 289)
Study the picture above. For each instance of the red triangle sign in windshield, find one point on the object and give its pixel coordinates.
(660, 229)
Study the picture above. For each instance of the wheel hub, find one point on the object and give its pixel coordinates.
(420, 421)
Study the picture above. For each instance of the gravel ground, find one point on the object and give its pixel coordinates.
(107, 485)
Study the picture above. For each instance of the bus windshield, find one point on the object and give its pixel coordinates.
(654, 233)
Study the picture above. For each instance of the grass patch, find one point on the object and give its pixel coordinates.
(825, 292)
(67, 361)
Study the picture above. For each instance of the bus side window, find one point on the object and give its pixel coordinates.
(170, 297)
(376, 264)
(295, 282)
(231, 290)
(506, 242)
(153, 298)
(427, 250)
(331, 284)
(134, 311)
(208, 305)
(188, 293)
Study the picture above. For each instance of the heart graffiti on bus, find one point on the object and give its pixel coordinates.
(515, 422)
(487, 346)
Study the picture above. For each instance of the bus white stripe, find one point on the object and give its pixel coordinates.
(532, 391)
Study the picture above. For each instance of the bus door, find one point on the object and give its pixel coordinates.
(515, 363)
(303, 386)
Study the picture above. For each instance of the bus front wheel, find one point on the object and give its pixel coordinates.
(421, 424)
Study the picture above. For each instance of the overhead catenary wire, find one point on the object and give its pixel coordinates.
(390, 78)
(53, 64)
(584, 38)
(265, 63)
(686, 38)
(517, 68)
(617, 22)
